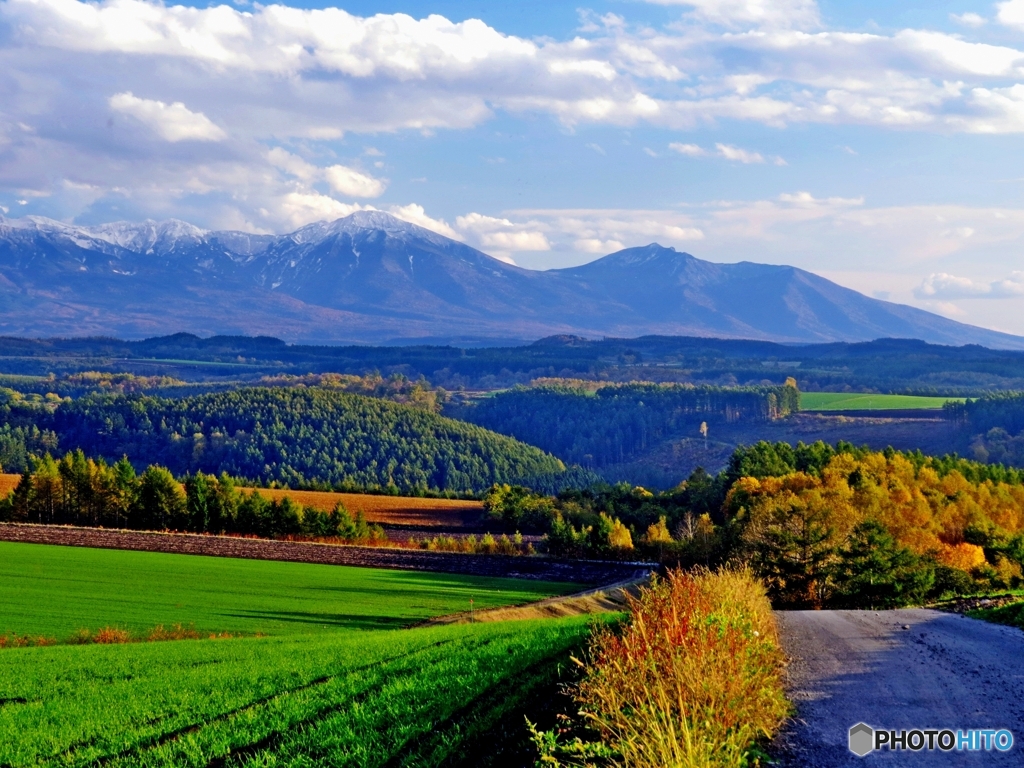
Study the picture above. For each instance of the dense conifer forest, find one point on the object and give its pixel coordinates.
(298, 437)
(599, 425)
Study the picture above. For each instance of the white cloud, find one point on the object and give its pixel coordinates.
(972, 20)
(739, 155)
(172, 122)
(595, 245)
(942, 286)
(1010, 13)
(352, 183)
(342, 179)
(238, 83)
(597, 148)
(415, 214)
(601, 231)
(276, 71)
(515, 241)
(690, 150)
(499, 235)
(727, 151)
(742, 13)
(296, 209)
(294, 165)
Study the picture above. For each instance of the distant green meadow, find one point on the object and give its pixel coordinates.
(843, 401)
(334, 684)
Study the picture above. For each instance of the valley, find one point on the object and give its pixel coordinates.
(185, 517)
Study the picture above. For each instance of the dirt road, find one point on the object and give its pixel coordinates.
(899, 670)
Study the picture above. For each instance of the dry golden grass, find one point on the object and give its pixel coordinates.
(389, 510)
(611, 599)
(693, 679)
(8, 483)
(113, 636)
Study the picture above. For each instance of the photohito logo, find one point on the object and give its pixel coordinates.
(865, 739)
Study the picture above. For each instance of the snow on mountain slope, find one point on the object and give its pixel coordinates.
(372, 277)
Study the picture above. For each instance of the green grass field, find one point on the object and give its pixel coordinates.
(331, 686)
(844, 401)
(56, 591)
(413, 697)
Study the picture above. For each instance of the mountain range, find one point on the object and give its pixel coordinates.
(373, 278)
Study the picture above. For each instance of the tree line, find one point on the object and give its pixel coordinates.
(823, 526)
(612, 423)
(77, 490)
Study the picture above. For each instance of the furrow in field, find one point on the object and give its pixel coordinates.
(254, 708)
(409, 711)
(479, 716)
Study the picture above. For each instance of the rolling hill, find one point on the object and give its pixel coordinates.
(296, 437)
(371, 277)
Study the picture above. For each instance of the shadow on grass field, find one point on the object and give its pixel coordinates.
(325, 620)
(336, 684)
(57, 591)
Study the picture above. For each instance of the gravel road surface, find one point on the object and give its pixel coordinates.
(898, 670)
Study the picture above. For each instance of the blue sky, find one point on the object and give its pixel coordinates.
(878, 144)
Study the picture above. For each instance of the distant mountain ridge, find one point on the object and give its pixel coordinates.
(370, 278)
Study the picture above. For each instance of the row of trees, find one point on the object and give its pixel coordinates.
(612, 423)
(76, 490)
(824, 526)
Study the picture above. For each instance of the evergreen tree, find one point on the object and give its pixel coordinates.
(873, 571)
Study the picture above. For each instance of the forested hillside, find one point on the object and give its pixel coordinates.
(994, 425)
(294, 436)
(609, 424)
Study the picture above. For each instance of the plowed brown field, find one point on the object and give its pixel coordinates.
(390, 510)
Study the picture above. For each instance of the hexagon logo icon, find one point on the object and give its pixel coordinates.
(862, 737)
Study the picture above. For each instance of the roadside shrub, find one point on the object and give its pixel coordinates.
(953, 582)
(693, 678)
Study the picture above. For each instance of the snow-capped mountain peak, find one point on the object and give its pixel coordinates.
(147, 236)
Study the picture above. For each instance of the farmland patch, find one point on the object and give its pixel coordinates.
(853, 401)
(57, 591)
(412, 697)
(405, 511)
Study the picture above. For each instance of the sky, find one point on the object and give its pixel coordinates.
(880, 145)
